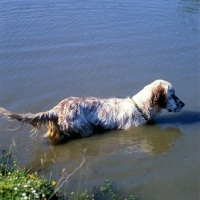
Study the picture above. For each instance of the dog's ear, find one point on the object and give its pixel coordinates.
(159, 97)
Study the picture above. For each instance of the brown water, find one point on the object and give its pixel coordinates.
(52, 50)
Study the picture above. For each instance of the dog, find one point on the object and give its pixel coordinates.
(76, 117)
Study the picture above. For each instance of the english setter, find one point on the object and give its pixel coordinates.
(81, 117)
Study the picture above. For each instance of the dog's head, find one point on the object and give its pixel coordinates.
(164, 96)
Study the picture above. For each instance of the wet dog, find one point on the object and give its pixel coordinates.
(81, 117)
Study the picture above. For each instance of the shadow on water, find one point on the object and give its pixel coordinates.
(184, 117)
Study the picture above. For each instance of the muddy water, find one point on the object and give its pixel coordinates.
(49, 51)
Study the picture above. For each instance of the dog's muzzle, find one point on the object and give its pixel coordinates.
(178, 108)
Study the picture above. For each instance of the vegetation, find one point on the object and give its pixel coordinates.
(17, 183)
(106, 192)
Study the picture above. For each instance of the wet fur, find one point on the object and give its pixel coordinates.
(81, 117)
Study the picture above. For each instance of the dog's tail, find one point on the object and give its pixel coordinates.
(48, 118)
(36, 120)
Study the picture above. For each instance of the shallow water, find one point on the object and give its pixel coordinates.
(50, 51)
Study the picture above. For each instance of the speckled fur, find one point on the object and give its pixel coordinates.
(81, 117)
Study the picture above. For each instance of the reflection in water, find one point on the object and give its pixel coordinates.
(154, 140)
(149, 139)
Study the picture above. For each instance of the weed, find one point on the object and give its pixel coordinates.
(108, 192)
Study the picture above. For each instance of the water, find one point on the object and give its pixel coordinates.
(52, 50)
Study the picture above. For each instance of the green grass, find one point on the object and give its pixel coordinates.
(17, 183)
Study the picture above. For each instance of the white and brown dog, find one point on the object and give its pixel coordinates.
(81, 117)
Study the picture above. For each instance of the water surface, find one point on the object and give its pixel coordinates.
(52, 50)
